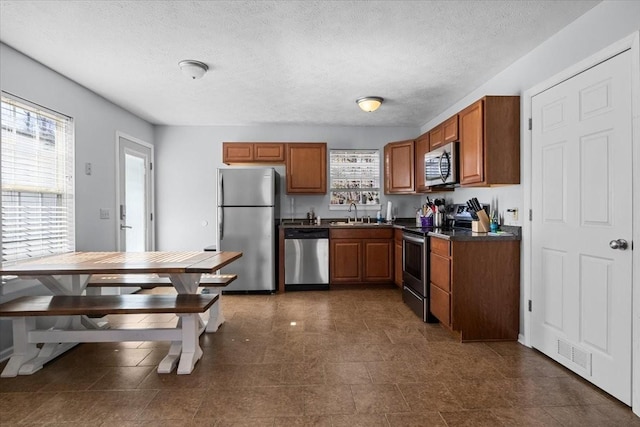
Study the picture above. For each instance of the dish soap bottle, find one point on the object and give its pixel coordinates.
(493, 225)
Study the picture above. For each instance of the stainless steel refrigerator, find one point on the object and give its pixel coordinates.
(247, 212)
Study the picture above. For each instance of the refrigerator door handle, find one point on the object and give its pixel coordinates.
(220, 223)
(220, 190)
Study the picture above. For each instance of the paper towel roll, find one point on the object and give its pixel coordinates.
(389, 216)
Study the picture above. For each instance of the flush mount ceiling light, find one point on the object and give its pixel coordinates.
(193, 69)
(369, 103)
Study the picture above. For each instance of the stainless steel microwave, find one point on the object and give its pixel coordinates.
(440, 165)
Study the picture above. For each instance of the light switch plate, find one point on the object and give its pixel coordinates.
(87, 168)
(511, 217)
(104, 213)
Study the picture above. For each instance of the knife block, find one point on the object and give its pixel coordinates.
(482, 224)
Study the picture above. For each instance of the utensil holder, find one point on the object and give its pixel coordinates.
(482, 224)
(426, 221)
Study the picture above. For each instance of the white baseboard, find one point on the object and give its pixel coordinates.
(6, 353)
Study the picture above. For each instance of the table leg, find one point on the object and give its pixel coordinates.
(216, 318)
(191, 351)
(50, 351)
(23, 351)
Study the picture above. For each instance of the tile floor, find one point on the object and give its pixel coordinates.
(354, 357)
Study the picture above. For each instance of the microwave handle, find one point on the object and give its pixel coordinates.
(444, 178)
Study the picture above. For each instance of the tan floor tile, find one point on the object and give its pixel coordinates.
(120, 405)
(404, 351)
(593, 415)
(483, 394)
(347, 373)
(532, 392)
(63, 407)
(429, 396)
(393, 372)
(425, 419)
(122, 378)
(359, 420)
(27, 383)
(258, 375)
(359, 352)
(308, 421)
(283, 353)
(378, 398)
(147, 423)
(80, 377)
(173, 405)
(475, 418)
(530, 417)
(253, 402)
(15, 407)
(245, 422)
(307, 373)
(328, 400)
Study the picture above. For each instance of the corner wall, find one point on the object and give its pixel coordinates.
(96, 121)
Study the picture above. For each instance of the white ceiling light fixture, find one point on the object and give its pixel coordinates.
(369, 103)
(193, 69)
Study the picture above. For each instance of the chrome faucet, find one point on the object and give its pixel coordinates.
(355, 208)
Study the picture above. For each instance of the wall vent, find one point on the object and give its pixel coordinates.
(575, 355)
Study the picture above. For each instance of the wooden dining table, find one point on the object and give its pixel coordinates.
(69, 273)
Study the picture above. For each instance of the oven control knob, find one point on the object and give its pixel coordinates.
(618, 244)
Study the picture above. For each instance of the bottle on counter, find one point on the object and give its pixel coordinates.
(494, 222)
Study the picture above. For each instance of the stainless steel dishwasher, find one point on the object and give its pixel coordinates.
(306, 259)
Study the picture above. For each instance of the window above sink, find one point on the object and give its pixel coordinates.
(354, 177)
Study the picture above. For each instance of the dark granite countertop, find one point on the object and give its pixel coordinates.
(455, 234)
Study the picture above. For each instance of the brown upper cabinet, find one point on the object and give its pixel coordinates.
(252, 152)
(399, 167)
(421, 148)
(490, 142)
(444, 133)
(306, 165)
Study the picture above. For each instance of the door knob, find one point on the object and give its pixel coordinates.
(618, 244)
(122, 227)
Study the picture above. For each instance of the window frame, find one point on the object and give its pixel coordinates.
(371, 172)
(41, 228)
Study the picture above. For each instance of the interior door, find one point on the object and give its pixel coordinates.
(135, 230)
(582, 198)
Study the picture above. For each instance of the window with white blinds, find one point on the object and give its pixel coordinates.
(37, 181)
(354, 177)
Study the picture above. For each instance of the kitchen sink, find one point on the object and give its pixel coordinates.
(357, 224)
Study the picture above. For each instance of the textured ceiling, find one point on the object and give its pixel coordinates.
(282, 62)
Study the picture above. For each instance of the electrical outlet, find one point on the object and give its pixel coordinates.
(511, 216)
(104, 213)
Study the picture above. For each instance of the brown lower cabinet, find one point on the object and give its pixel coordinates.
(364, 255)
(475, 288)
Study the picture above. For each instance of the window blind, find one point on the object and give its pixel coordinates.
(354, 178)
(37, 181)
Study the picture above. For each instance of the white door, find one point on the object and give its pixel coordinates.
(582, 198)
(135, 196)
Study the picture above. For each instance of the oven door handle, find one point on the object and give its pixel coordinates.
(413, 239)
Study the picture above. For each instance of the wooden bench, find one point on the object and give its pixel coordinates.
(28, 358)
(150, 281)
